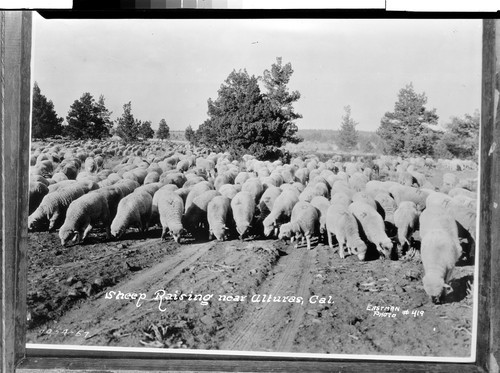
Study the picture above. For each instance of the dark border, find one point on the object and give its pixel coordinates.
(14, 167)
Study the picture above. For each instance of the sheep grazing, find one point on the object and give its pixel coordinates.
(243, 208)
(322, 204)
(402, 193)
(281, 211)
(341, 223)
(53, 208)
(267, 201)
(440, 249)
(195, 218)
(304, 222)
(195, 191)
(133, 210)
(218, 213)
(254, 187)
(386, 206)
(171, 209)
(38, 190)
(406, 221)
(373, 226)
(83, 213)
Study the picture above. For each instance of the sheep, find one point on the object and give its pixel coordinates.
(373, 226)
(304, 222)
(281, 211)
(53, 207)
(37, 191)
(463, 192)
(387, 206)
(357, 181)
(243, 208)
(406, 221)
(90, 165)
(341, 223)
(173, 178)
(195, 191)
(133, 210)
(340, 198)
(267, 200)
(218, 213)
(151, 188)
(223, 179)
(440, 250)
(364, 197)
(195, 217)
(82, 214)
(170, 209)
(407, 193)
(152, 177)
(229, 190)
(113, 195)
(322, 204)
(254, 187)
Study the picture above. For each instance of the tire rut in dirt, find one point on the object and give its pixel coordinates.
(279, 320)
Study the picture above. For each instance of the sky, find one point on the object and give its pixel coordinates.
(169, 68)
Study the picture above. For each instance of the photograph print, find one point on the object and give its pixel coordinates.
(272, 187)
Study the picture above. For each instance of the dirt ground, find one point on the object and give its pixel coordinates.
(255, 295)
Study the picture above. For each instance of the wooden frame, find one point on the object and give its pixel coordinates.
(15, 95)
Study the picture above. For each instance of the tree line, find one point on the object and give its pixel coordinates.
(89, 119)
(245, 119)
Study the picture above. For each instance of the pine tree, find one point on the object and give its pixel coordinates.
(128, 127)
(190, 135)
(145, 130)
(244, 120)
(88, 119)
(45, 122)
(347, 135)
(406, 130)
(163, 131)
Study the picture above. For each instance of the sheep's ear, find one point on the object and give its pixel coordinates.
(447, 289)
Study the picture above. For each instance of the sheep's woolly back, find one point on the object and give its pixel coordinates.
(373, 225)
(243, 208)
(88, 209)
(306, 216)
(217, 213)
(55, 203)
(405, 220)
(438, 218)
(439, 256)
(133, 210)
(195, 191)
(170, 209)
(268, 199)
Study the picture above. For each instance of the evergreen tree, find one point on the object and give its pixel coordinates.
(45, 122)
(243, 120)
(145, 130)
(406, 130)
(128, 127)
(88, 119)
(190, 134)
(163, 130)
(461, 139)
(348, 136)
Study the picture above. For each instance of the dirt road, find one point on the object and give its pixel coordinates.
(256, 295)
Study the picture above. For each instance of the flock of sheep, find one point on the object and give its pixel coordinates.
(377, 204)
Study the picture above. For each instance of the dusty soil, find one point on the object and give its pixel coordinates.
(330, 304)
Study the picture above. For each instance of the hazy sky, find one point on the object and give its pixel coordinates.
(169, 68)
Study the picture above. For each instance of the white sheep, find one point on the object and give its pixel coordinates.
(388, 206)
(37, 191)
(243, 208)
(195, 191)
(267, 200)
(133, 210)
(218, 212)
(53, 207)
(281, 211)
(341, 223)
(304, 222)
(402, 193)
(195, 218)
(373, 226)
(440, 249)
(322, 204)
(170, 209)
(406, 221)
(82, 214)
